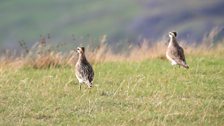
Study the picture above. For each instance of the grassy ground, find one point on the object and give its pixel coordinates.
(150, 92)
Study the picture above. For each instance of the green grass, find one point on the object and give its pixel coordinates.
(151, 92)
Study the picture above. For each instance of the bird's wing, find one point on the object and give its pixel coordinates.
(177, 55)
(88, 72)
(181, 54)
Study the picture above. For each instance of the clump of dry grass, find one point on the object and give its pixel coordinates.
(148, 51)
(205, 49)
(9, 60)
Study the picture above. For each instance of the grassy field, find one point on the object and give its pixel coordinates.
(149, 92)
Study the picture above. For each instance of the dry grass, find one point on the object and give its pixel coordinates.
(41, 55)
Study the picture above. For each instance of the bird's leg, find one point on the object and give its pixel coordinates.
(89, 91)
(175, 68)
(80, 86)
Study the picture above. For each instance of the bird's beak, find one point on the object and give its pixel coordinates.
(75, 50)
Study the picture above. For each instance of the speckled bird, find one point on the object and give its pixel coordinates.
(83, 70)
(174, 52)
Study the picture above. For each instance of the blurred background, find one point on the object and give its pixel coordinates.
(79, 22)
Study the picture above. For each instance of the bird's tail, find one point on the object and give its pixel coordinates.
(90, 84)
(184, 64)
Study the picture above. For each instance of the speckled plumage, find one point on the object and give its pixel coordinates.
(175, 53)
(83, 70)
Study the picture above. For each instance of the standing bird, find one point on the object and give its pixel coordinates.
(174, 52)
(83, 70)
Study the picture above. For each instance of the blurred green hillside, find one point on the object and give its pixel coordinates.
(27, 20)
(119, 19)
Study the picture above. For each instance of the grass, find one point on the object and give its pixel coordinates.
(147, 92)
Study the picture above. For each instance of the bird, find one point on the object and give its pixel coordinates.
(174, 52)
(83, 70)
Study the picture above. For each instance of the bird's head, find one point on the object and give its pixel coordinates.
(172, 34)
(80, 50)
